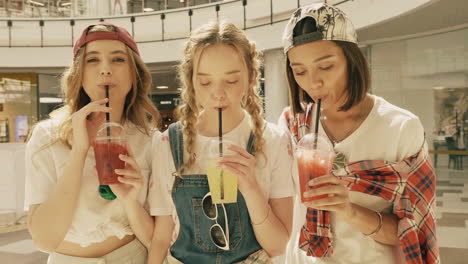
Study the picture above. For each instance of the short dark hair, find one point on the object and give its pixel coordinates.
(357, 67)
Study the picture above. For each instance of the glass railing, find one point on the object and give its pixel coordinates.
(82, 8)
(147, 27)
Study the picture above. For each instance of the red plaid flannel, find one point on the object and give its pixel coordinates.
(409, 185)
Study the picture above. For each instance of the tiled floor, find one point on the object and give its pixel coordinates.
(16, 247)
(452, 215)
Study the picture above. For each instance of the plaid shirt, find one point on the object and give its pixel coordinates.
(409, 185)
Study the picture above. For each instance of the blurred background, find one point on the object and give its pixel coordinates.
(417, 51)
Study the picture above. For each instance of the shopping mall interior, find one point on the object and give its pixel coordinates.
(417, 52)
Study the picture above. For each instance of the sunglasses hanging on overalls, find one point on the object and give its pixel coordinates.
(219, 237)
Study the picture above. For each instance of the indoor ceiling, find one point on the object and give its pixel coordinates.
(164, 74)
(436, 15)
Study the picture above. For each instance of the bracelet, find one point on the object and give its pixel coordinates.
(268, 214)
(378, 227)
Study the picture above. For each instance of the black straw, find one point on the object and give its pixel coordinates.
(220, 131)
(317, 120)
(317, 116)
(220, 135)
(107, 113)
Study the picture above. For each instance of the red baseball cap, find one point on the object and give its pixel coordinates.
(121, 35)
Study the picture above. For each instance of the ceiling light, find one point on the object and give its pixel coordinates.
(35, 3)
(162, 87)
(148, 9)
(50, 100)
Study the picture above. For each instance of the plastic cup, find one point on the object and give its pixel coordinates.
(315, 155)
(222, 184)
(109, 143)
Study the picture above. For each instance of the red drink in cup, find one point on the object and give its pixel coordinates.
(315, 157)
(107, 150)
(107, 160)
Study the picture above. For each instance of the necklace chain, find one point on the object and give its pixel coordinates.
(359, 119)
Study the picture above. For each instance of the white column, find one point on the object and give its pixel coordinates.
(99, 8)
(81, 8)
(119, 9)
(276, 84)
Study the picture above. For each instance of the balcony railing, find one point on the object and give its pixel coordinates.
(149, 27)
(81, 8)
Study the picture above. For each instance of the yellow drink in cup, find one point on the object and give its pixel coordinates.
(222, 184)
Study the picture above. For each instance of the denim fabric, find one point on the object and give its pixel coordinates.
(194, 244)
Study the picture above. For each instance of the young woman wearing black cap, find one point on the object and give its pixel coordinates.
(380, 196)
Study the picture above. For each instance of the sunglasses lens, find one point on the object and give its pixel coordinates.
(217, 235)
(209, 208)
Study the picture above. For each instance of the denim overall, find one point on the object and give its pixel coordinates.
(194, 245)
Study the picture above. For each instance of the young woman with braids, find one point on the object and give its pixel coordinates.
(220, 69)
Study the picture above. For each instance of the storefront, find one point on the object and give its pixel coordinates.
(18, 105)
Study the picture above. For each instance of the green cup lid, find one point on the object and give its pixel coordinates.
(106, 192)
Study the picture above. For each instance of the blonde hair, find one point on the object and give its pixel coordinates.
(212, 34)
(136, 101)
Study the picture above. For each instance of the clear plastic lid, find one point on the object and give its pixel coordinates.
(214, 151)
(316, 142)
(110, 130)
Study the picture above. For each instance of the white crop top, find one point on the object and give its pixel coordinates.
(95, 219)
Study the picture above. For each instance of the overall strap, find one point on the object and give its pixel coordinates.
(251, 142)
(177, 144)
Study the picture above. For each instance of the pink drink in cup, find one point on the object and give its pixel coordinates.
(107, 150)
(315, 157)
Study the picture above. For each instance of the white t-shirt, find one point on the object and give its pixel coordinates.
(95, 219)
(274, 177)
(388, 133)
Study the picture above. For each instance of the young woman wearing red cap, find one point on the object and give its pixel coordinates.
(67, 216)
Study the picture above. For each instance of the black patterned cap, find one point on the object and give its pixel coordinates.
(332, 24)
